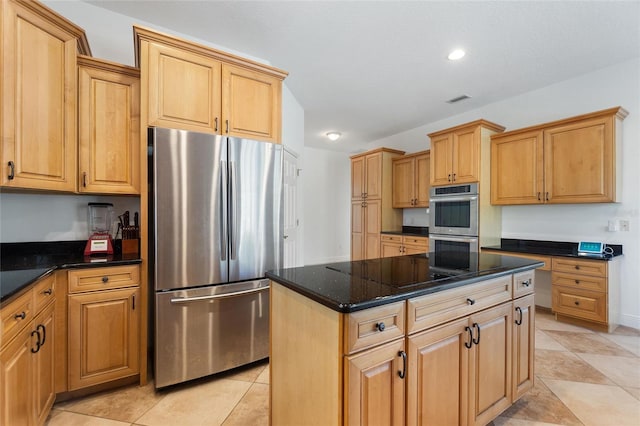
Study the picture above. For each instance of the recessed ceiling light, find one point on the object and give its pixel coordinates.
(456, 54)
(334, 136)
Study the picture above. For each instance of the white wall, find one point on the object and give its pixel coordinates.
(327, 207)
(617, 85)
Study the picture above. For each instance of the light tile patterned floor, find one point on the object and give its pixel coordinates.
(582, 378)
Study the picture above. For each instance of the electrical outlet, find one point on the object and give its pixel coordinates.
(624, 225)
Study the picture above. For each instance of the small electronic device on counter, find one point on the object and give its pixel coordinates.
(100, 219)
(593, 249)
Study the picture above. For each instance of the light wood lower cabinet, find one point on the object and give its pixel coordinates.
(27, 371)
(103, 326)
(463, 357)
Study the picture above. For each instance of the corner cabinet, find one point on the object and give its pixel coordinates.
(457, 152)
(568, 161)
(103, 325)
(109, 127)
(371, 193)
(39, 90)
(194, 87)
(455, 357)
(27, 356)
(411, 180)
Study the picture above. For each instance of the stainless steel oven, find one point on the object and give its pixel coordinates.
(451, 243)
(453, 210)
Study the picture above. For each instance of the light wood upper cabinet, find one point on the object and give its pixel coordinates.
(567, 161)
(411, 180)
(39, 91)
(456, 153)
(193, 87)
(251, 105)
(109, 127)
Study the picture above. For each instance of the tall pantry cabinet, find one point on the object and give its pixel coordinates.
(371, 200)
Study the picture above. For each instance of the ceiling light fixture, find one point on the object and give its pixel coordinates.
(334, 136)
(456, 54)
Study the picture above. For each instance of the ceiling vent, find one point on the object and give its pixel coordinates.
(458, 99)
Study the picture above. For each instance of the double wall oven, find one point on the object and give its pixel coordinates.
(453, 218)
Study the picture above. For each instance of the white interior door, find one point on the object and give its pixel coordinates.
(290, 211)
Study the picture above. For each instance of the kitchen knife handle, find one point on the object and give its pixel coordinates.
(12, 170)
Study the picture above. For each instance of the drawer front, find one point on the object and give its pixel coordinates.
(44, 292)
(390, 238)
(91, 279)
(524, 283)
(434, 309)
(15, 316)
(371, 327)
(583, 304)
(416, 241)
(596, 268)
(577, 281)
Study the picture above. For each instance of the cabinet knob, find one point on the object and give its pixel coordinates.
(577, 303)
(577, 266)
(577, 281)
(21, 315)
(47, 292)
(470, 301)
(380, 326)
(105, 279)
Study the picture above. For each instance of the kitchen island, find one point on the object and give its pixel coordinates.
(436, 338)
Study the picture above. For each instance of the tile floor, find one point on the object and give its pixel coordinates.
(582, 378)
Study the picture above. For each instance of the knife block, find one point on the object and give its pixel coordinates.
(130, 246)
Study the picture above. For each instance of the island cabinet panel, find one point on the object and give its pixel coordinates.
(38, 98)
(567, 161)
(27, 359)
(374, 390)
(523, 345)
(438, 376)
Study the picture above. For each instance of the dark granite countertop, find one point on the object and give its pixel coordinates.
(551, 248)
(22, 264)
(415, 231)
(353, 286)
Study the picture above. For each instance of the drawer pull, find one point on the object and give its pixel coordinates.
(577, 303)
(477, 327)
(380, 326)
(470, 301)
(577, 281)
(105, 279)
(578, 267)
(470, 342)
(47, 292)
(21, 315)
(402, 373)
(526, 283)
(519, 311)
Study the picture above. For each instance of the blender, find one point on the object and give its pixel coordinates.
(100, 220)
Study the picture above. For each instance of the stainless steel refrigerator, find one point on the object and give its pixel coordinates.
(216, 214)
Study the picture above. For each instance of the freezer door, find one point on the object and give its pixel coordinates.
(190, 209)
(210, 329)
(255, 208)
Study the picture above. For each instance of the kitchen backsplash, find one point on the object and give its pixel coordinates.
(415, 217)
(52, 217)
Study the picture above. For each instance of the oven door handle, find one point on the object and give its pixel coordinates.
(450, 238)
(453, 199)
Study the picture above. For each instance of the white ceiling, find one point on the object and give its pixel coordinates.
(371, 69)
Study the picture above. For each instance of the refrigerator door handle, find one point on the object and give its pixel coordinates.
(217, 296)
(233, 216)
(223, 209)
